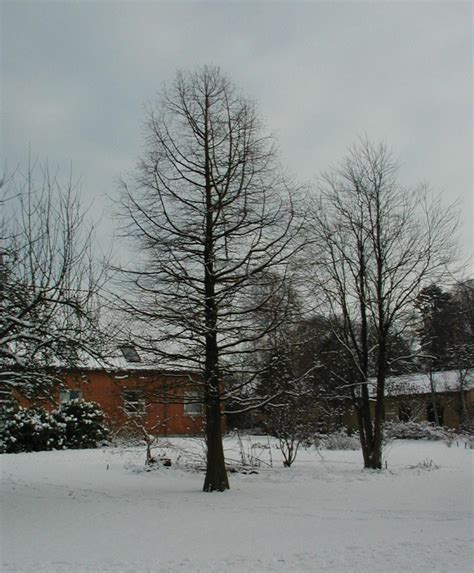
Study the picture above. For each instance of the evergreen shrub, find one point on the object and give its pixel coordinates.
(338, 440)
(31, 430)
(83, 423)
(75, 425)
(416, 431)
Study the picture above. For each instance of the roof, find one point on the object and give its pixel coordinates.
(126, 357)
(117, 362)
(419, 383)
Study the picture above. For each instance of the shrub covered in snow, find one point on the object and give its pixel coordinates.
(338, 440)
(83, 424)
(31, 430)
(416, 431)
(293, 425)
(76, 425)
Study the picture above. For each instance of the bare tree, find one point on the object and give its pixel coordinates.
(292, 415)
(49, 283)
(374, 246)
(211, 214)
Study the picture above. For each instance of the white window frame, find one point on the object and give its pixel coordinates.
(69, 394)
(193, 406)
(134, 402)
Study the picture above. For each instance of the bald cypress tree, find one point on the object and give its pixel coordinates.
(211, 215)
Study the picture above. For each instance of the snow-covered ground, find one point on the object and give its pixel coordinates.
(97, 510)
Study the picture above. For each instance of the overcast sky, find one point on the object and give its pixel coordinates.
(75, 76)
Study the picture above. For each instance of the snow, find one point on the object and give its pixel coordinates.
(444, 381)
(98, 510)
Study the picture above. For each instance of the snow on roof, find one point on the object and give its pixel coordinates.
(117, 361)
(128, 357)
(419, 383)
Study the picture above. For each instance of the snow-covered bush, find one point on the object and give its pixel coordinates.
(76, 425)
(31, 430)
(292, 425)
(415, 431)
(427, 464)
(338, 440)
(249, 454)
(83, 424)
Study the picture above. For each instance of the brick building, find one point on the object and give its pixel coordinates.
(132, 392)
(416, 396)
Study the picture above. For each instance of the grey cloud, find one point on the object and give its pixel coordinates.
(75, 77)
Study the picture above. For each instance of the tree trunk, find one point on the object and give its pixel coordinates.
(463, 414)
(433, 398)
(362, 436)
(366, 427)
(376, 454)
(216, 474)
(370, 432)
(375, 461)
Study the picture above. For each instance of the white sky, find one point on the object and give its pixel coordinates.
(75, 76)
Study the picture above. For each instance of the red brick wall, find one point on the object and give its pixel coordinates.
(164, 415)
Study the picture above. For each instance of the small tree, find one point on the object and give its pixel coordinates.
(292, 419)
(446, 333)
(299, 371)
(136, 424)
(435, 331)
(374, 245)
(461, 345)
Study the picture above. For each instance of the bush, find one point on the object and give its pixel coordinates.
(293, 426)
(32, 430)
(77, 424)
(83, 424)
(415, 431)
(338, 440)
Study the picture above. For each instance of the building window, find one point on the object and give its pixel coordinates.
(130, 353)
(404, 412)
(66, 396)
(430, 413)
(134, 402)
(193, 405)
